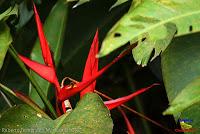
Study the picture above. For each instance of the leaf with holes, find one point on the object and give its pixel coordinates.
(152, 23)
(90, 116)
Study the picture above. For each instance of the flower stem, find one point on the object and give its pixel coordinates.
(14, 54)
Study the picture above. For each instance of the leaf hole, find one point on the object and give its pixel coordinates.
(143, 39)
(117, 35)
(190, 28)
(25, 116)
(176, 32)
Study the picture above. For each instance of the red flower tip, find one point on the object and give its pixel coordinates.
(43, 42)
(45, 72)
(91, 66)
(117, 102)
(65, 94)
(128, 124)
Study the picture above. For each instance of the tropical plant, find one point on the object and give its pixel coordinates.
(60, 88)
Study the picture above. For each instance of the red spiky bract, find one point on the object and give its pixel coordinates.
(65, 93)
(128, 124)
(117, 102)
(43, 41)
(91, 66)
(42, 70)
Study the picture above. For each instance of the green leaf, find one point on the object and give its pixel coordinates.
(181, 72)
(22, 98)
(152, 23)
(24, 13)
(188, 96)
(54, 29)
(80, 2)
(90, 116)
(118, 2)
(5, 36)
(5, 41)
(8, 12)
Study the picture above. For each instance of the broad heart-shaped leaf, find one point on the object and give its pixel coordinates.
(181, 72)
(152, 23)
(89, 117)
(5, 41)
(54, 29)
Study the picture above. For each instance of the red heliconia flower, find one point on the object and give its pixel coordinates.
(46, 71)
(91, 66)
(111, 104)
(89, 82)
(90, 74)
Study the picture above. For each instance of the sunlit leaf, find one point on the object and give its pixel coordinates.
(152, 23)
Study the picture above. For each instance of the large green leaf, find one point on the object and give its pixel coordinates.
(5, 40)
(190, 95)
(54, 29)
(89, 117)
(152, 23)
(181, 72)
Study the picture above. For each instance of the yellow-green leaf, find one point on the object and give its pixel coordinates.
(8, 12)
(147, 18)
(5, 41)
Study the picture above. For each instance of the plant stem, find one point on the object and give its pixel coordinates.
(14, 54)
(136, 100)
